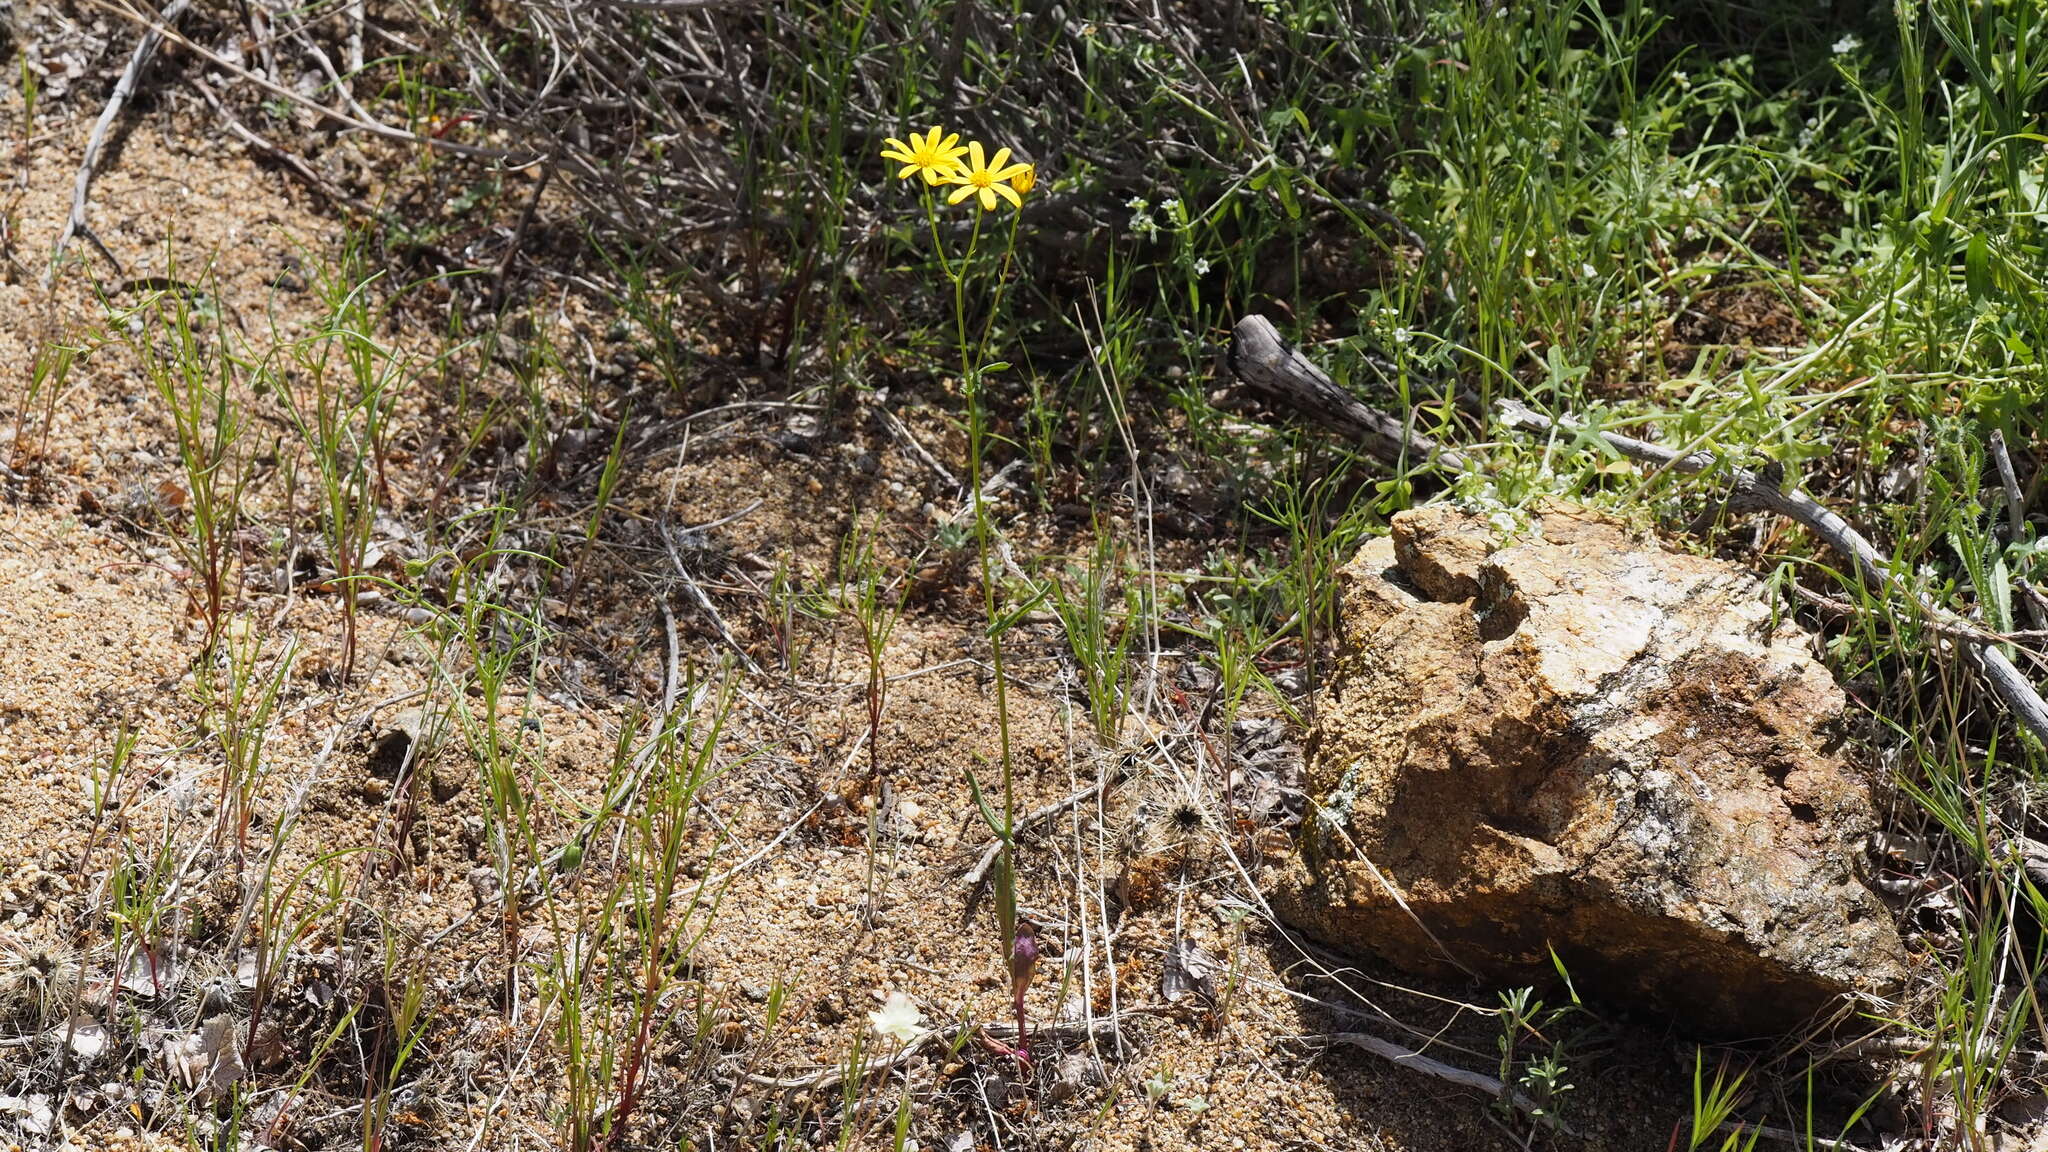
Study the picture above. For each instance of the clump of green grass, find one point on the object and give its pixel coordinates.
(337, 388)
(36, 409)
(1101, 632)
(198, 372)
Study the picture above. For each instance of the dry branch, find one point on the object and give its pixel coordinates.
(827, 1079)
(1753, 490)
(2015, 517)
(979, 873)
(1270, 364)
(1449, 1073)
(88, 166)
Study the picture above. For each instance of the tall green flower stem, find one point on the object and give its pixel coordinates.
(974, 373)
(936, 159)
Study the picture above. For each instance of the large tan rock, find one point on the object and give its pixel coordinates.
(1574, 738)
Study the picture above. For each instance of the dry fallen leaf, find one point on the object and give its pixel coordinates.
(1188, 969)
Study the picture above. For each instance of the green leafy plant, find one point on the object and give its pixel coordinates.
(337, 393)
(196, 370)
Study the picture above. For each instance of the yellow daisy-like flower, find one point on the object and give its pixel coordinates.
(938, 160)
(988, 179)
(1023, 177)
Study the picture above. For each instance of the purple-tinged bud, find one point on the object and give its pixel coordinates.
(1023, 956)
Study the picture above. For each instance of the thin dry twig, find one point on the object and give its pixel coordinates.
(504, 269)
(675, 5)
(292, 162)
(88, 167)
(1411, 1059)
(1960, 629)
(705, 605)
(976, 875)
(829, 1078)
(622, 796)
(1788, 1136)
(918, 450)
(2015, 517)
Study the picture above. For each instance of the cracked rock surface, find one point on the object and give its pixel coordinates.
(1573, 738)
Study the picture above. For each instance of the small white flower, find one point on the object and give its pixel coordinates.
(1169, 206)
(1201, 267)
(898, 1018)
(1620, 130)
(1138, 204)
(1403, 335)
(1847, 44)
(1681, 79)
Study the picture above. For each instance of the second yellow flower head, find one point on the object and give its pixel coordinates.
(987, 179)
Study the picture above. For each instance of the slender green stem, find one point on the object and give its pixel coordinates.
(971, 351)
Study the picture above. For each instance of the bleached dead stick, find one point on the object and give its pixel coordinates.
(987, 859)
(827, 1079)
(1450, 1073)
(620, 797)
(145, 48)
(2016, 518)
(1755, 490)
(1270, 364)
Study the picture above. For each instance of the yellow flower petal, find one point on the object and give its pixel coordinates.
(1002, 154)
(910, 168)
(988, 198)
(1007, 193)
(960, 193)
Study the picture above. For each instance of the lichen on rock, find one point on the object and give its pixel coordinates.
(1575, 739)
